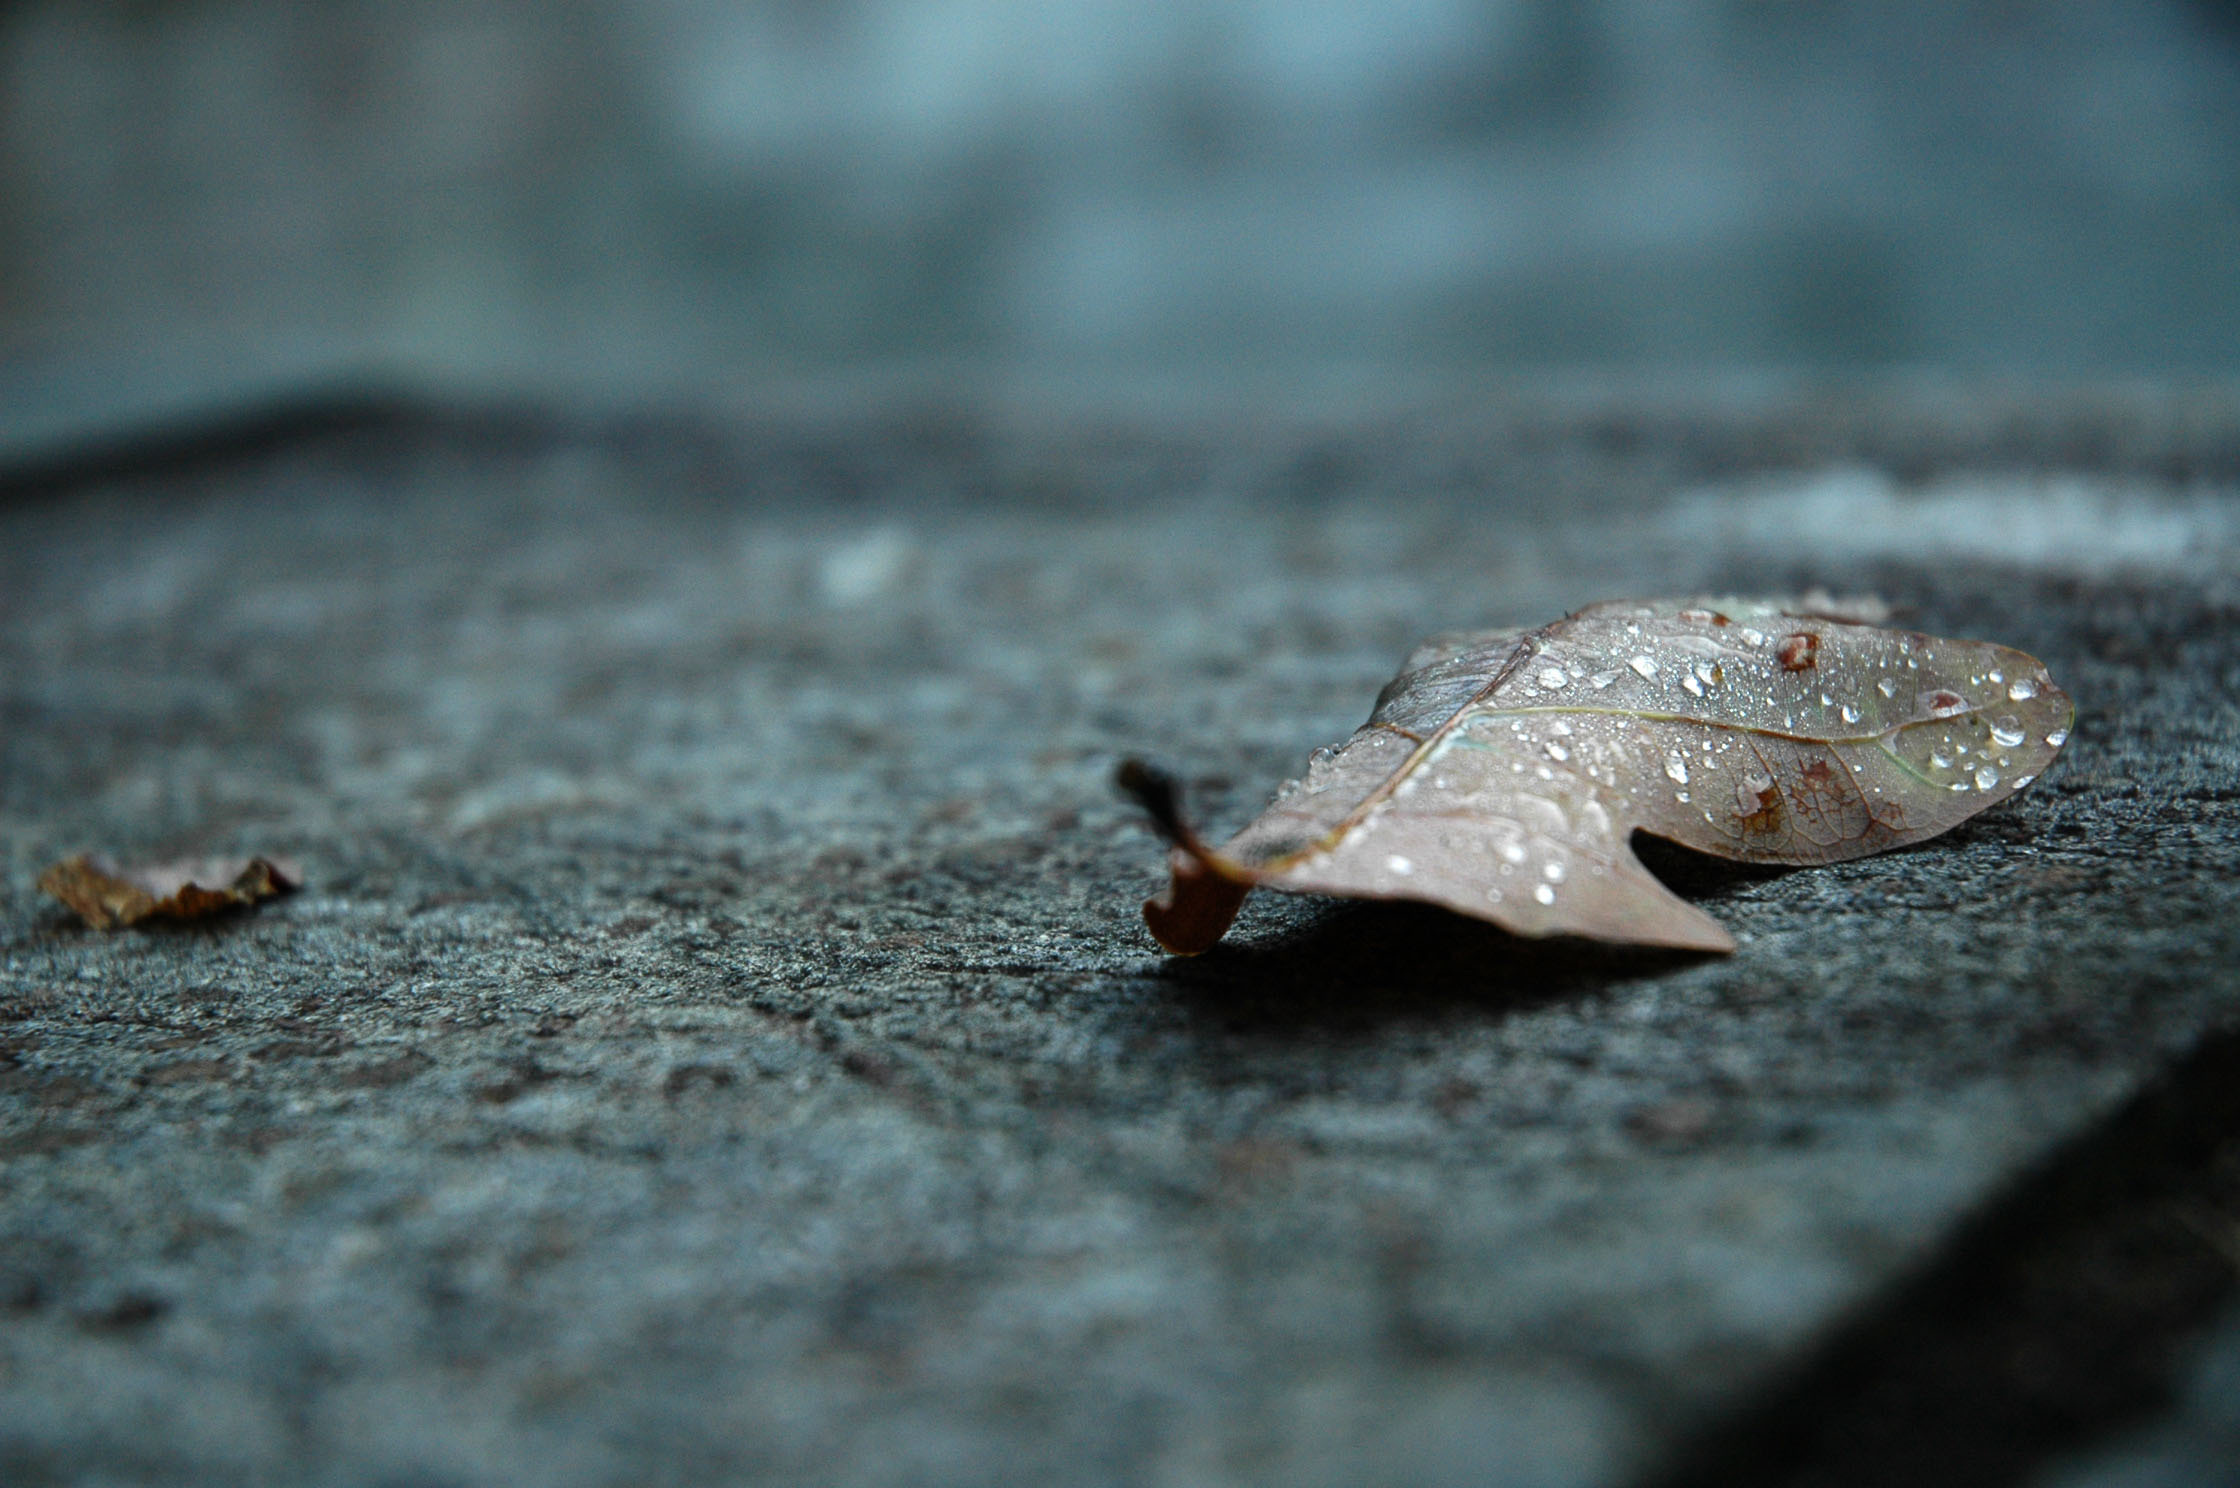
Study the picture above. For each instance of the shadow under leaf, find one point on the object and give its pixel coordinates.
(1699, 875)
(1358, 965)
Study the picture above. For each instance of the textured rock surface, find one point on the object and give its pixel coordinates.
(2196, 1447)
(717, 1041)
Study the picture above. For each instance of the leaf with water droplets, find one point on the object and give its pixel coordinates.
(1766, 731)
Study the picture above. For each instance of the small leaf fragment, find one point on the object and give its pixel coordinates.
(107, 896)
(1503, 774)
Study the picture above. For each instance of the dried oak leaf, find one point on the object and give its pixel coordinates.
(1503, 774)
(107, 896)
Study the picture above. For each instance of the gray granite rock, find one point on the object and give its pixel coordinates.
(717, 1042)
(2197, 1446)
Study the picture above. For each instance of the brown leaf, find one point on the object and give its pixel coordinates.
(107, 896)
(1504, 773)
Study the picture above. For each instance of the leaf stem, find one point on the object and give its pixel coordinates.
(1207, 888)
(1160, 796)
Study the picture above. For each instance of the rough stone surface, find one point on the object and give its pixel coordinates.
(717, 1041)
(2198, 1446)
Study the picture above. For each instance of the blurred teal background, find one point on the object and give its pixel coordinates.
(666, 191)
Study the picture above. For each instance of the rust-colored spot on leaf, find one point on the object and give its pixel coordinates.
(1799, 651)
(1759, 810)
(107, 896)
